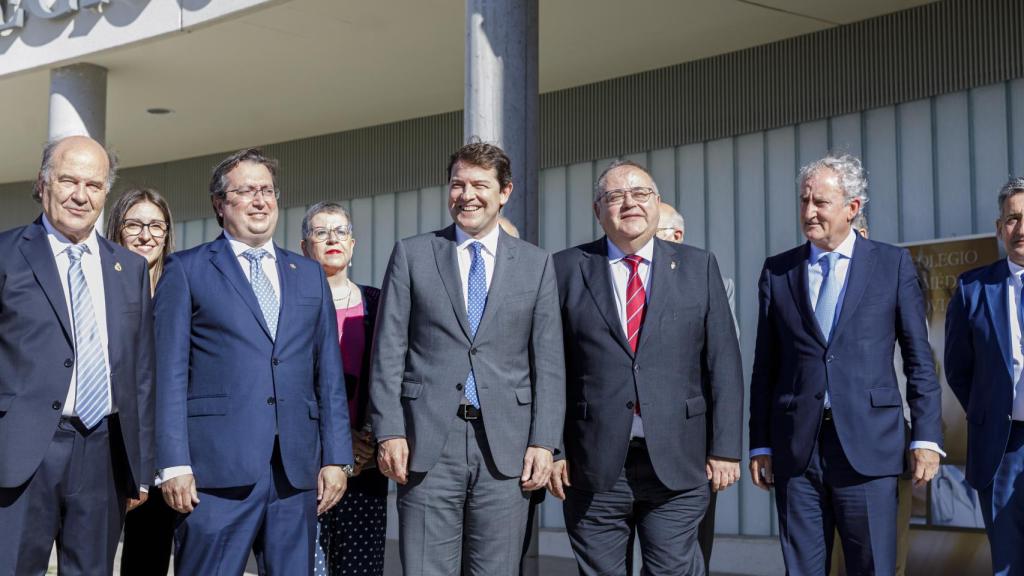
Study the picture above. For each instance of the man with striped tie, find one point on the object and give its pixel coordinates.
(650, 351)
(76, 410)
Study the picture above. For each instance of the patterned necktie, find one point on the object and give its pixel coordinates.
(476, 301)
(92, 397)
(828, 294)
(261, 286)
(636, 300)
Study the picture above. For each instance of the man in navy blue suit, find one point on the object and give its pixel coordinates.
(252, 417)
(76, 408)
(984, 361)
(826, 416)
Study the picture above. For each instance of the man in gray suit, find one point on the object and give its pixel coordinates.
(651, 353)
(467, 383)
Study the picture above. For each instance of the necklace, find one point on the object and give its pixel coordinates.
(347, 298)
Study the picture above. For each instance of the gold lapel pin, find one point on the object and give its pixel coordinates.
(291, 265)
(673, 265)
(117, 266)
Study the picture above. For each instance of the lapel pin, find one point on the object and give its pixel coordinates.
(291, 265)
(117, 266)
(673, 265)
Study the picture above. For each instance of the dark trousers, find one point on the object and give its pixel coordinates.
(273, 519)
(831, 495)
(705, 537)
(1002, 507)
(599, 523)
(75, 498)
(148, 537)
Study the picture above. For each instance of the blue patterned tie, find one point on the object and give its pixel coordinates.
(92, 397)
(828, 294)
(476, 302)
(265, 294)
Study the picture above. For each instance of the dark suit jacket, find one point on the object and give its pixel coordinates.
(370, 480)
(793, 363)
(979, 366)
(37, 354)
(687, 348)
(424, 348)
(225, 388)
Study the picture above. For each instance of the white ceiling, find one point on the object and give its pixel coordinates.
(307, 67)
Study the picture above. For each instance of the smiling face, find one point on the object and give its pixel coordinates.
(144, 243)
(825, 213)
(251, 222)
(629, 224)
(74, 194)
(475, 198)
(334, 253)
(1010, 227)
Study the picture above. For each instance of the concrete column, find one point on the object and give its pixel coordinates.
(501, 101)
(78, 102)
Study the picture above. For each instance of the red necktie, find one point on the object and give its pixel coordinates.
(636, 300)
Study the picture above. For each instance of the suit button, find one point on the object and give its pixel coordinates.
(472, 351)
(271, 401)
(459, 386)
(55, 405)
(830, 358)
(636, 368)
(68, 363)
(276, 361)
(629, 404)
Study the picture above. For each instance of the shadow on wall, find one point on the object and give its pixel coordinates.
(42, 26)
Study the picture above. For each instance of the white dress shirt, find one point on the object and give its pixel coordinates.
(620, 283)
(92, 267)
(489, 253)
(269, 265)
(1013, 294)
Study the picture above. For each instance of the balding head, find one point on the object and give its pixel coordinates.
(72, 185)
(671, 226)
(508, 227)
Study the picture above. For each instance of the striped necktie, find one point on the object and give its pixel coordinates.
(92, 397)
(636, 300)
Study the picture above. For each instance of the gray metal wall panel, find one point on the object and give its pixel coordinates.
(845, 134)
(989, 151)
(407, 214)
(662, 165)
(691, 193)
(194, 233)
(292, 220)
(1015, 99)
(917, 193)
(580, 190)
(361, 271)
(952, 165)
(780, 168)
(553, 207)
(211, 229)
(880, 159)
(384, 234)
(432, 211)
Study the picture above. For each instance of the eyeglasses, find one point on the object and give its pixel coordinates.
(156, 228)
(639, 195)
(342, 233)
(249, 194)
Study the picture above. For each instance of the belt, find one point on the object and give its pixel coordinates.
(827, 416)
(468, 412)
(638, 443)
(1017, 424)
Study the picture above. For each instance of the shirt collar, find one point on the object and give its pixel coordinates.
(845, 249)
(490, 241)
(615, 254)
(239, 247)
(1015, 269)
(59, 242)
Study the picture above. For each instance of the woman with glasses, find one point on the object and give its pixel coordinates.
(351, 535)
(141, 221)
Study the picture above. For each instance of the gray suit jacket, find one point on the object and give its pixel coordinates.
(423, 350)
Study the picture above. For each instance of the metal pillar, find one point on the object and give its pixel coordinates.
(501, 100)
(78, 102)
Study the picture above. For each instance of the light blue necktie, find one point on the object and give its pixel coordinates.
(476, 302)
(265, 294)
(92, 397)
(828, 294)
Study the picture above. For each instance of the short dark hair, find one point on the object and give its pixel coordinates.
(219, 179)
(484, 155)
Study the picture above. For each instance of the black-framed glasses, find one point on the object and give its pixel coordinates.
(639, 194)
(156, 228)
(249, 194)
(342, 233)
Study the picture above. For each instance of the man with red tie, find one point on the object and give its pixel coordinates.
(650, 350)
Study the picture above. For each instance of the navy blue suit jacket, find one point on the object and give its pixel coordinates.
(225, 387)
(37, 354)
(979, 366)
(793, 363)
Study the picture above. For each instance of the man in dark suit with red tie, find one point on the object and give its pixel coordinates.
(650, 351)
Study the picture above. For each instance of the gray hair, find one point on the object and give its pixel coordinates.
(326, 207)
(46, 168)
(860, 221)
(1014, 185)
(852, 178)
(674, 221)
(601, 180)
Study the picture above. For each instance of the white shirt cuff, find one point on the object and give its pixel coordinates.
(927, 446)
(172, 472)
(760, 452)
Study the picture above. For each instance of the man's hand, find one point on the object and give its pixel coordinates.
(722, 472)
(761, 471)
(924, 465)
(536, 468)
(134, 503)
(180, 493)
(559, 479)
(330, 487)
(393, 459)
(363, 447)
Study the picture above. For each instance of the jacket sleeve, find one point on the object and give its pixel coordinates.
(172, 328)
(390, 344)
(144, 384)
(724, 370)
(765, 371)
(924, 395)
(335, 435)
(959, 353)
(547, 365)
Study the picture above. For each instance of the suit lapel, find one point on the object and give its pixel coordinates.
(37, 253)
(113, 294)
(995, 304)
(598, 280)
(662, 284)
(504, 259)
(224, 260)
(799, 288)
(447, 261)
(857, 278)
(287, 278)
